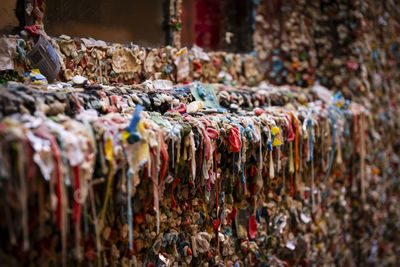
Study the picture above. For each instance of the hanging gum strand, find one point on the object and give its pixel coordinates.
(362, 157)
(77, 212)
(216, 192)
(108, 149)
(23, 197)
(291, 169)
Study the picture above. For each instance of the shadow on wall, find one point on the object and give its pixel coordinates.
(123, 21)
(8, 19)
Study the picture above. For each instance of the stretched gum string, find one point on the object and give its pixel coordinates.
(129, 207)
(154, 179)
(291, 169)
(23, 199)
(164, 156)
(174, 184)
(60, 212)
(216, 192)
(296, 144)
(193, 157)
(31, 163)
(110, 179)
(41, 132)
(362, 157)
(311, 158)
(77, 213)
(95, 221)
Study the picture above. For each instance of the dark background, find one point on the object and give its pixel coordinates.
(124, 21)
